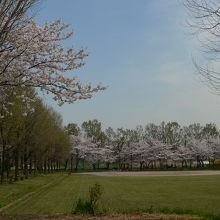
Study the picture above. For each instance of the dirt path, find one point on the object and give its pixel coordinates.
(156, 173)
(137, 216)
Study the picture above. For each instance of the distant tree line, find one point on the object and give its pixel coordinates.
(163, 146)
(33, 140)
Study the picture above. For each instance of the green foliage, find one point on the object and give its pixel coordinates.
(73, 129)
(31, 136)
(93, 129)
(95, 193)
(171, 132)
(210, 130)
(83, 207)
(89, 206)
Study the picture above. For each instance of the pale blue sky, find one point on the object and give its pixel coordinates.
(142, 50)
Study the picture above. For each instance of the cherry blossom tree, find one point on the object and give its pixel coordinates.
(84, 149)
(160, 147)
(214, 144)
(79, 149)
(34, 56)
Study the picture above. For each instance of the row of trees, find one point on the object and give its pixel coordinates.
(33, 56)
(30, 140)
(152, 146)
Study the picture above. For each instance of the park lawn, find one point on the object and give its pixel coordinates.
(11, 192)
(190, 194)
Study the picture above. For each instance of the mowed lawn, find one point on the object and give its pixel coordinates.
(201, 194)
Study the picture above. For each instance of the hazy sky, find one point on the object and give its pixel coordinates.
(142, 50)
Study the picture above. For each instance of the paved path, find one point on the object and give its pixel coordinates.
(157, 173)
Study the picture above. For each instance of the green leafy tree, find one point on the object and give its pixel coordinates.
(73, 129)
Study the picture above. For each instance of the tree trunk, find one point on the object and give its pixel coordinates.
(7, 163)
(141, 165)
(16, 163)
(107, 165)
(131, 159)
(3, 163)
(31, 164)
(71, 163)
(66, 164)
(25, 164)
(48, 166)
(119, 163)
(3, 156)
(35, 165)
(83, 164)
(45, 166)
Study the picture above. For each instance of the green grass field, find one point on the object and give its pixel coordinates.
(58, 193)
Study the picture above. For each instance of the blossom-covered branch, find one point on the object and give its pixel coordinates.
(34, 56)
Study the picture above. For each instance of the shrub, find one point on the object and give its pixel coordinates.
(89, 206)
(95, 193)
(82, 207)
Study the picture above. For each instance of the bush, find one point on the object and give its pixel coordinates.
(89, 206)
(95, 193)
(82, 207)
